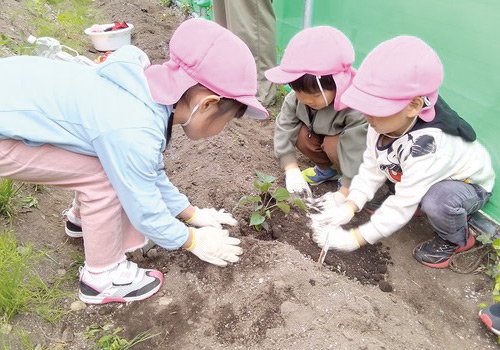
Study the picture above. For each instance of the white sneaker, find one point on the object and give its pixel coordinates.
(126, 282)
(73, 226)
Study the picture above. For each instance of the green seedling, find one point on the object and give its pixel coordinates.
(492, 268)
(267, 200)
(29, 202)
(114, 341)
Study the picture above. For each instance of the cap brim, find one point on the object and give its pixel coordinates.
(372, 105)
(279, 76)
(168, 83)
(255, 109)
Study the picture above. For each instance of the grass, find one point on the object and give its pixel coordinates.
(63, 20)
(8, 200)
(11, 46)
(22, 289)
(14, 270)
(23, 338)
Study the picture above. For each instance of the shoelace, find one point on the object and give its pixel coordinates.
(443, 245)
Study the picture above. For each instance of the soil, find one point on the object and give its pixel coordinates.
(277, 296)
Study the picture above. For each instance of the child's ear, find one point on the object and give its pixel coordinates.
(415, 107)
(208, 101)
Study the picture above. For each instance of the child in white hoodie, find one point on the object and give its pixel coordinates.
(421, 145)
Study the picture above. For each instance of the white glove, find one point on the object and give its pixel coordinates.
(295, 182)
(335, 216)
(214, 246)
(335, 237)
(327, 202)
(211, 217)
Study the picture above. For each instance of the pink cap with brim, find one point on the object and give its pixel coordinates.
(393, 73)
(204, 52)
(318, 51)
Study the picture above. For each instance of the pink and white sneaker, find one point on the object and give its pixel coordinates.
(126, 282)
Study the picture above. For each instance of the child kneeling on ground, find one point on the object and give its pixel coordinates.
(317, 66)
(417, 142)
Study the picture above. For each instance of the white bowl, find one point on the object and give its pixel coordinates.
(112, 40)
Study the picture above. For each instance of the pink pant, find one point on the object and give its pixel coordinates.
(108, 233)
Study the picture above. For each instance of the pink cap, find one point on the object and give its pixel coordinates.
(318, 51)
(204, 52)
(394, 73)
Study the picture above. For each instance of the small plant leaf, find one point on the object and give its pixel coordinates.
(256, 219)
(285, 208)
(263, 187)
(484, 238)
(264, 177)
(299, 203)
(249, 199)
(281, 194)
(268, 213)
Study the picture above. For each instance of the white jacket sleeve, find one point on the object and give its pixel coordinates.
(369, 178)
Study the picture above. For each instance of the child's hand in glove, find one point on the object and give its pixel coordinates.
(333, 215)
(326, 202)
(295, 182)
(211, 217)
(337, 238)
(214, 246)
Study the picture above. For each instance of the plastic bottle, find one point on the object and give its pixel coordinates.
(45, 46)
(52, 48)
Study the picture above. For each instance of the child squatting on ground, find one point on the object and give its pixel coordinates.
(317, 65)
(101, 131)
(417, 142)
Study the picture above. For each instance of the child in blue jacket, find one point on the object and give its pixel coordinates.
(101, 132)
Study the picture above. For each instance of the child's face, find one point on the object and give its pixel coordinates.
(315, 100)
(393, 124)
(205, 119)
(206, 125)
(397, 123)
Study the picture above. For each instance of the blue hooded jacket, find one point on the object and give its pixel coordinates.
(104, 111)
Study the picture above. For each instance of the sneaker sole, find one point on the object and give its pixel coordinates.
(488, 322)
(97, 300)
(73, 230)
(73, 234)
(441, 265)
(444, 264)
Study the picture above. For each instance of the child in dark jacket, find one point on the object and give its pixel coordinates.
(317, 66)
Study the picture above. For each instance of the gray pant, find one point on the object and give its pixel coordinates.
(448, 204)
(254, 22)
